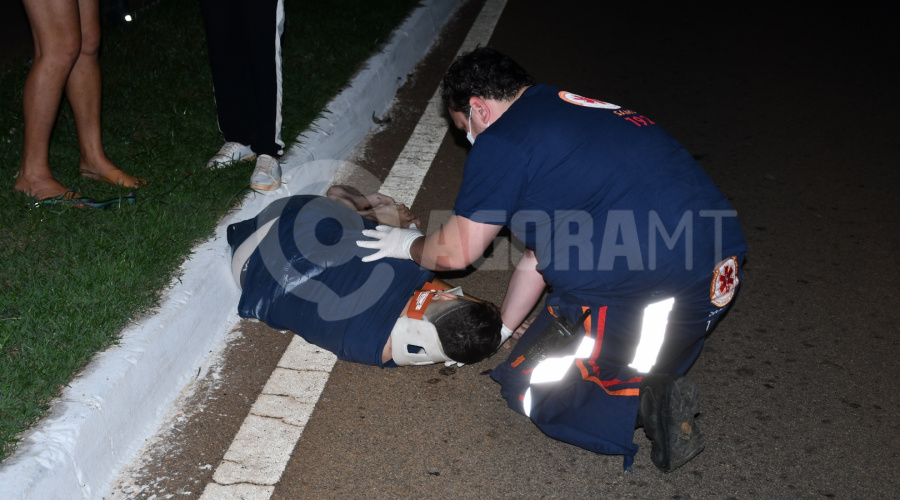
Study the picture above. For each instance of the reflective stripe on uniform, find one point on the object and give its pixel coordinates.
(653, 333)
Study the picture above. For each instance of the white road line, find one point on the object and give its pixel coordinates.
(263, 445)
(408, 172)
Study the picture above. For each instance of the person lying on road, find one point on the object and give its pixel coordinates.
(299, 269)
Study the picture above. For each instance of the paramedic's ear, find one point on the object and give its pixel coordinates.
(480, 112)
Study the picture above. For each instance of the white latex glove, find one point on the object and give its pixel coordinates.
(505, 333)
(390, 242)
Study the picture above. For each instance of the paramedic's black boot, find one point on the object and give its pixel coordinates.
(668, 404)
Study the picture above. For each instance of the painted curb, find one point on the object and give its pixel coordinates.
(105, 415)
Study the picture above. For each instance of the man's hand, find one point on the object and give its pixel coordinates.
(521, 329)
(507, 333)
(390, 242)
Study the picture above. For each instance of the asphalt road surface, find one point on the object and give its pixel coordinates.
(792, 111)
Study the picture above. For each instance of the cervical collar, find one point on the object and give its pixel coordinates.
(418, 336)
(414, 332)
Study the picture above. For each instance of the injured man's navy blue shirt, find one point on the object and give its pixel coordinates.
(306, 275)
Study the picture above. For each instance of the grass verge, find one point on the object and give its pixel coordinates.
(72, 278)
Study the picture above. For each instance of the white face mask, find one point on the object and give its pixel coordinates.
(469, 132)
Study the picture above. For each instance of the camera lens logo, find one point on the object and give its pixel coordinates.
(296, 257)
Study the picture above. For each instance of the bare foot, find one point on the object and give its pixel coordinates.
(105, 171)
(41, 186)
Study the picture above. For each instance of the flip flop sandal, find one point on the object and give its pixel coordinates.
(117, 178)
(72, 198)
(128, 199)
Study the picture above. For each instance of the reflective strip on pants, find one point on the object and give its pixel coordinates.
(653, 332)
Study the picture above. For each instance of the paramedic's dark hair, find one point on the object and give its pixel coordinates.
(471, 332)
(484, 73)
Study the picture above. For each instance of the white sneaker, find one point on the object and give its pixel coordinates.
(231, 152)
(267, 174)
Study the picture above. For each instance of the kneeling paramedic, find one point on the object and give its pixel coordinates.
(620, 222)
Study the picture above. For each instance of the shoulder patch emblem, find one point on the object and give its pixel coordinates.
(586, 101)
(724, 283)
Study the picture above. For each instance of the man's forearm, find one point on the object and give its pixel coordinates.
(430, 253)
(525, 288)
(458, 243)
(416, 250)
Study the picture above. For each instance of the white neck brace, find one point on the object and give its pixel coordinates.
(418, 336)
